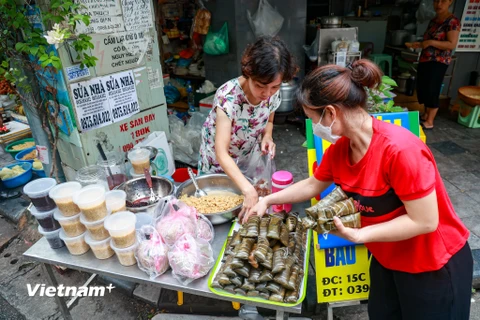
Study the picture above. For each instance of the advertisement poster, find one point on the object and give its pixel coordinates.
(137, 14)
(468, 40)
(104, 100)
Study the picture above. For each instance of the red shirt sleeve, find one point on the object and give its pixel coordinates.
(411, 172)
(454, 24)
(324, 170)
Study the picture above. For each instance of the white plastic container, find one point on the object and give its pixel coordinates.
(71, 226)
(91, 201)
(75, 245)
(116, 201)
(45, 219)
(62, 194)
(121, 227)
(38, 190)
(53, 238)
(140, 159)
(126, 256)
(96, 229)
(101, 249)
(138, 175)
(143, 218)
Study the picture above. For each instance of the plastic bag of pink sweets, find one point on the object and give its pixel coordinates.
(190, 259)
(151, 252)
(174, 220)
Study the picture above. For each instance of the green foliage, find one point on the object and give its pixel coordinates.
(24, 46)
(376, 103)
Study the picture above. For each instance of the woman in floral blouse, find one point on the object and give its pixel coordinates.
(439, 40)
(241, 121)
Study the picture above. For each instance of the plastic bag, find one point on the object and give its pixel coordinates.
(260, 170)
(216, 43)
(266, 21)
(174, 220)
(312, 50)
(201, 23)
(425, 11)
(171, 93)
(190, 259)
(151, 252)
(187, 139)
(205, 229)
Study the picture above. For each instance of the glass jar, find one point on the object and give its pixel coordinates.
(92, 175)
(114, 168)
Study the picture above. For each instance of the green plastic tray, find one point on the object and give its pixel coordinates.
(220, 292)
(14, 152)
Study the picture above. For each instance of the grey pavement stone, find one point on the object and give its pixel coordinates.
(7, 232)
(474, 241)
(14, 208)
(148, 293)
(8, 312)
(473, 224)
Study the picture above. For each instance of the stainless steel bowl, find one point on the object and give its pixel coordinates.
(137, 189)
(213, 182)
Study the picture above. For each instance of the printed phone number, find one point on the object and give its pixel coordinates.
(95, 120)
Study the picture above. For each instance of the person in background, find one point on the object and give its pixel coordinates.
(439, 40)
(243, 112)
(422, 265)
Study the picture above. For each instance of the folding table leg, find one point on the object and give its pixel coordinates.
(60, 300)
(281, 315)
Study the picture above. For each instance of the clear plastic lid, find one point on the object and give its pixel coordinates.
(49, 234)
(94, 243)
(137, 155)
(89, 196)
(40, 187)
(39, 215)
(64, 190)
(113, 159)
(93, 174)
(61, 218)
(120, 223)
(68, 239)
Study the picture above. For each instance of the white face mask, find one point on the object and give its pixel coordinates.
(325, 132)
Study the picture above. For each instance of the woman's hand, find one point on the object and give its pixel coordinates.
(413, 45)
(268, 146)
(259, 209)
(351, 234)
(250, 200)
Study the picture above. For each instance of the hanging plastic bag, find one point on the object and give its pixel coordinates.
(216, 43)
(201, 23)
(151, 252)
(260, 170)
(266, 21)
(425, 11)
(174, 220)
(190, 259)
(312, 50)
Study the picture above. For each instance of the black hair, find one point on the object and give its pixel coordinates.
(265, 59)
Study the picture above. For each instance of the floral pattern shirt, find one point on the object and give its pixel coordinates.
(438, 31)
(248, 124)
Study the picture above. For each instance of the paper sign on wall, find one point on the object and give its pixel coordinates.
(101, 24)
(122, 95)
(104, 100)
(137, 14)
(469, 39)
(75, 72)
(42, 154)
(119, 51)
(100, 7)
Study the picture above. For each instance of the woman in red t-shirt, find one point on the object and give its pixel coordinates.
(439, 40)
(422, 265)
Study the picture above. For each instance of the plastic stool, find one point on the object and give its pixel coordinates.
(472, 116)
(379, 59)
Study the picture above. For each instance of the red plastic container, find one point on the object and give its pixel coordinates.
(281, 180)
(181, 175)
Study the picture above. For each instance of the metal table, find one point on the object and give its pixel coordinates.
(87, 262)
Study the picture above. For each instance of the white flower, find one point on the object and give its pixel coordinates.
(56, 35)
